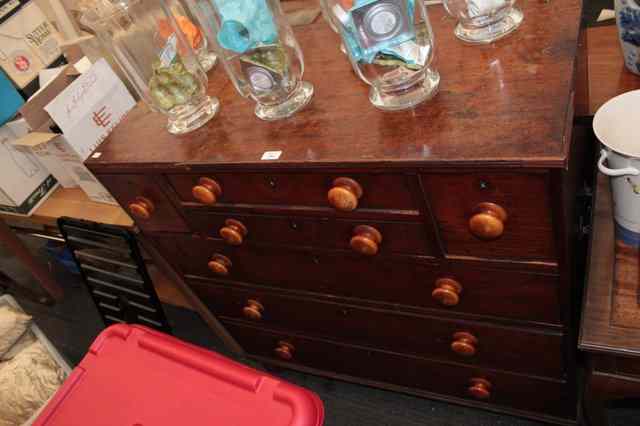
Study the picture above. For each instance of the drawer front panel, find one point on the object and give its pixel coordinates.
(496, 347)
(506, 390)
(527, 231)
(379, 191)
(397, 237)
(127, 188)
(489, 292)
(627, 366)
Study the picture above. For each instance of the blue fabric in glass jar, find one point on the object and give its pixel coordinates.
(371, 27)
(246, 24)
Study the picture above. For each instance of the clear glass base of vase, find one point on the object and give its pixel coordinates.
(207, 60)
(190, 117)
(300, 97)
(408, 98)
(492, 32)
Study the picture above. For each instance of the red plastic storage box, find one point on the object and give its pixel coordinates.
(135, 376)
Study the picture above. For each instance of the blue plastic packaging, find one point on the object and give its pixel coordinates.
(11, 99)
(365, 50)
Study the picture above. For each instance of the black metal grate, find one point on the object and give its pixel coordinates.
(114, 271)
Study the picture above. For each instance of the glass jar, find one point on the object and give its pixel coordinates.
(155, 56)
(204, 51)
(259, 52)
(328, 16)
(329, 19)
(390, 44)
(484, 21)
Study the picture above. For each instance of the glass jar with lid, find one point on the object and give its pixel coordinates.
(391, 47)
(146, 42)
(259, 51)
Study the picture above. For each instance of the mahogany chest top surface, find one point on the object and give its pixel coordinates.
(504, 104)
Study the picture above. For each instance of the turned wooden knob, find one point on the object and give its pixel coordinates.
(284, 350)
(207, 191)
(141, 208)
(488, 220)
(233, 232)
(345, 194)
(447, 291)
(365, 240)
(253, 310)
(464, 343)
(219, 264)
(479, 388)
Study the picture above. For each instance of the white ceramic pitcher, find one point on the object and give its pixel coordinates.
(616, 124)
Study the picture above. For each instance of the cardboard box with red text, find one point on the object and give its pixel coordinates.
(85, 110)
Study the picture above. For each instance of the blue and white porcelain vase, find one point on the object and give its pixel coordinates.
(628, 20)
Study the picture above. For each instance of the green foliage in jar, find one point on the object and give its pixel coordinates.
(271, 57)
(172, 85)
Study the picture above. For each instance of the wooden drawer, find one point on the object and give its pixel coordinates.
(627, 366)
(507, 348)
(397, 237)
(444, 380)
(488, 292)
(127, 188)
(379, 191)
(527, 232)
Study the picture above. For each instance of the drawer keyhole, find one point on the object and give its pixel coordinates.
(294, 225)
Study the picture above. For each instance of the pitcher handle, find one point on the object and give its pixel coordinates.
(614, 172)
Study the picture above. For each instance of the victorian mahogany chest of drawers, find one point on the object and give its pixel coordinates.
(426, 251)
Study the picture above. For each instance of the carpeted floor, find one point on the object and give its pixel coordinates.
(74, 323)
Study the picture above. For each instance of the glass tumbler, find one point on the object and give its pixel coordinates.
(155, 56)
(390, 44)
(259, 52)
(484, 21)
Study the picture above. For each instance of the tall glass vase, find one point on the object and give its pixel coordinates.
(193, 33)
(146, 42)
(259, 52)
(391, 46)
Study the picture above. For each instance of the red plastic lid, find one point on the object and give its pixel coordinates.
(134, 376)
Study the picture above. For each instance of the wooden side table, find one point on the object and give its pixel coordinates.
(607, 74)
(610, 329)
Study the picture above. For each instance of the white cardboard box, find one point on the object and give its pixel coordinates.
(28, 42)
(55, 151)
(86, 110)
(36, 143)
(24, 181)
(90, 107)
